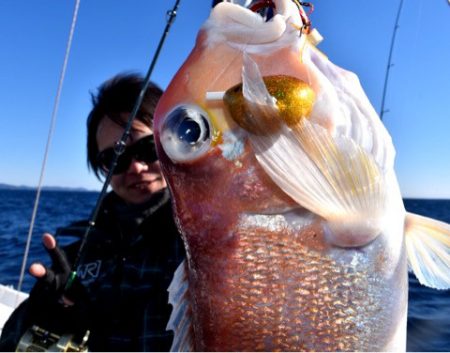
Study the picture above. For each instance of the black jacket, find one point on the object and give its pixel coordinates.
(125, 270)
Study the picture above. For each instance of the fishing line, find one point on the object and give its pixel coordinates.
(119, 146)
(49, 139)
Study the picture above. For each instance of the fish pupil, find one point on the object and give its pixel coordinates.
(190, 131)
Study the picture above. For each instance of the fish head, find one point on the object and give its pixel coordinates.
(215, 172)
(222, 157)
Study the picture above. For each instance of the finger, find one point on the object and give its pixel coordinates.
(58, 257)
(66, 301)
(37, 270)
(49, 241)
(44, 275)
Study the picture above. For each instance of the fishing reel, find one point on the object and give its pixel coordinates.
(37, 339)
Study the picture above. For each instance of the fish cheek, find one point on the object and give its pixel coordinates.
(200, 189)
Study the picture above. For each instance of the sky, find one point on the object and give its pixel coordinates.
(113, 36)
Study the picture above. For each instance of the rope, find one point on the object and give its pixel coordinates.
(47, 147)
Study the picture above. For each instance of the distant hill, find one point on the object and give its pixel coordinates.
(44, 188)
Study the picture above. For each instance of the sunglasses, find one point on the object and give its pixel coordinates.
(143, 150)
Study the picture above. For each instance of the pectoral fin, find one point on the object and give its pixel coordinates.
(428, 249)
(180, 319)
(331, 176)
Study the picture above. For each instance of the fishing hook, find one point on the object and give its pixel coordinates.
(307, 24)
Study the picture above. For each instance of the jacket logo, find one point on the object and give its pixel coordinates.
(90, 270)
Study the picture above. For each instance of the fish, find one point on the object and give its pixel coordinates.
(285, 193)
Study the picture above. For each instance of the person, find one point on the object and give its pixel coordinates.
(120, 293)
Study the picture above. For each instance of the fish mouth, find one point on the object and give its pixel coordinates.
(240, 25)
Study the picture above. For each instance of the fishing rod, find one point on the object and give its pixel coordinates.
(37, 338)
(120, 145)
(389, 65)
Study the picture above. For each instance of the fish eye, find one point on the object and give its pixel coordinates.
(186, 133)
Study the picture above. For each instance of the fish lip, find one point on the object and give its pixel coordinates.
(248, 30)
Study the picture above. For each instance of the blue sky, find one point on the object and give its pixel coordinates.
(115, 35)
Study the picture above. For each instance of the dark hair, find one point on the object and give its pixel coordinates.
(114, 97)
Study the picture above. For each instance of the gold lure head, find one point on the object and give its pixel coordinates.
(294, 101)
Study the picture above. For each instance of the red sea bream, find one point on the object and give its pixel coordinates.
(284, 189)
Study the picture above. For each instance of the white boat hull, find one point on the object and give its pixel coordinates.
(10, 299)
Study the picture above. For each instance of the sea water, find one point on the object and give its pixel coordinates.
(428, 313)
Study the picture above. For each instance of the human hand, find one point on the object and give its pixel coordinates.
(53, 306)
(55, 278)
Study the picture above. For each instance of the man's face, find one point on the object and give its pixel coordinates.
(141, 180)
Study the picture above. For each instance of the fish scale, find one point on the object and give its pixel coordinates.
(288, 298)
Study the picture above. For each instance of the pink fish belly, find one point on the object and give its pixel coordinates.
(265, 290)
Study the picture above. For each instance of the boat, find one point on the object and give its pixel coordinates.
(10, 299)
